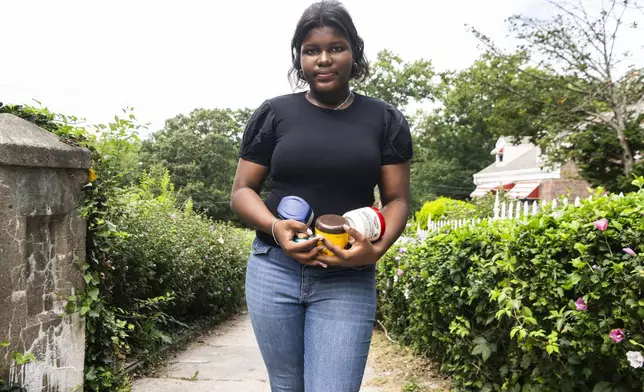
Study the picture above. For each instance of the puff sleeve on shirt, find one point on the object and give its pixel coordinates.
(397, 145)
(258, 142)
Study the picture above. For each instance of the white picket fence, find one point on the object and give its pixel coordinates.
(507, 210)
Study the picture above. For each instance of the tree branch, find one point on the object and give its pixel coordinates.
(554, 46)
(511, 91)
(639, 107)
(618, 23)
(578, 21)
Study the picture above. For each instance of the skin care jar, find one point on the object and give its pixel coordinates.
(296, 208)
(368, 221)
(331, 227)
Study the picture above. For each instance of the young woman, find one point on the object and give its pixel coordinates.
(313, 314)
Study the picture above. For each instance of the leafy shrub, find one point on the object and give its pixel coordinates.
(150, 265)
(526, 305)
(444, 208)
(143, 275)
(200, 150)
(177, 251)
(484, 206)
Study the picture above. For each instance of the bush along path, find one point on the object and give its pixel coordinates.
(154, 267)
(551, 303)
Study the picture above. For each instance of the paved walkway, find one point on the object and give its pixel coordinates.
(226, 360)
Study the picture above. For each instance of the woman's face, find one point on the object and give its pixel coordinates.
(326, 60)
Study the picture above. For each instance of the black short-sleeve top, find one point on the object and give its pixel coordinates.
(330, 158)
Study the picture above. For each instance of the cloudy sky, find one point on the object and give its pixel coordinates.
(91, 58)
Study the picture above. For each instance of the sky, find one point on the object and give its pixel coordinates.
(91, 58)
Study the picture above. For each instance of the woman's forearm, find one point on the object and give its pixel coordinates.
(250, 208)
(395, 213)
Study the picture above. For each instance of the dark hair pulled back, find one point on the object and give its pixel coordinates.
(327, 13)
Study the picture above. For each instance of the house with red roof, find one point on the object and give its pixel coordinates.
(521, 170)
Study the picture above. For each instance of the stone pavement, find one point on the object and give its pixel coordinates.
(227, 360)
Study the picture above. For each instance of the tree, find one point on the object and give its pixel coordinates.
(578, 49)
(448, 154)
(398, 82)
(494, 96)
(599, 154)
(200, 151)
(487, 100)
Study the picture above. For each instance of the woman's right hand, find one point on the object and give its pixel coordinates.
(303, 252)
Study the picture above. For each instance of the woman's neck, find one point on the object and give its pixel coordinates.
(332, 98)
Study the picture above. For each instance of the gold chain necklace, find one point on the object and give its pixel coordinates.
(308, 94)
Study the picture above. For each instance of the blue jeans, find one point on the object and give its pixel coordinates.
(313, 325)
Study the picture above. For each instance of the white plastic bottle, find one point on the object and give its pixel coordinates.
(368, 221)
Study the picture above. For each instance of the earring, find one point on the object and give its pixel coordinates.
(354, 70)
(300, 73)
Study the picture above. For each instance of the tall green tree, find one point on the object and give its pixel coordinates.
(479, 104)
(579, 52)
(396, 81)
(448, 154)
(200, 151)
(494, 96)
(598, 155)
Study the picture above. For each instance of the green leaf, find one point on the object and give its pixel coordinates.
(22, 359)
(578, 263)
(502, 296)
(560, 323)
(480, 340)
(573, 279)
(90, 375)
(603, 386)
(478, 349)
(93, 293)
(166, 339)
(530, 320)
(633, 342)
(487, 351)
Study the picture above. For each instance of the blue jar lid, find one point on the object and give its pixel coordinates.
(295, 208)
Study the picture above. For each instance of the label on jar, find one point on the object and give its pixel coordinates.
(340, 240)
(368, 221)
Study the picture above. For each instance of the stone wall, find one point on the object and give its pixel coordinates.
(42, 238)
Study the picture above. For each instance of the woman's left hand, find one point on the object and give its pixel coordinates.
(362, 251)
